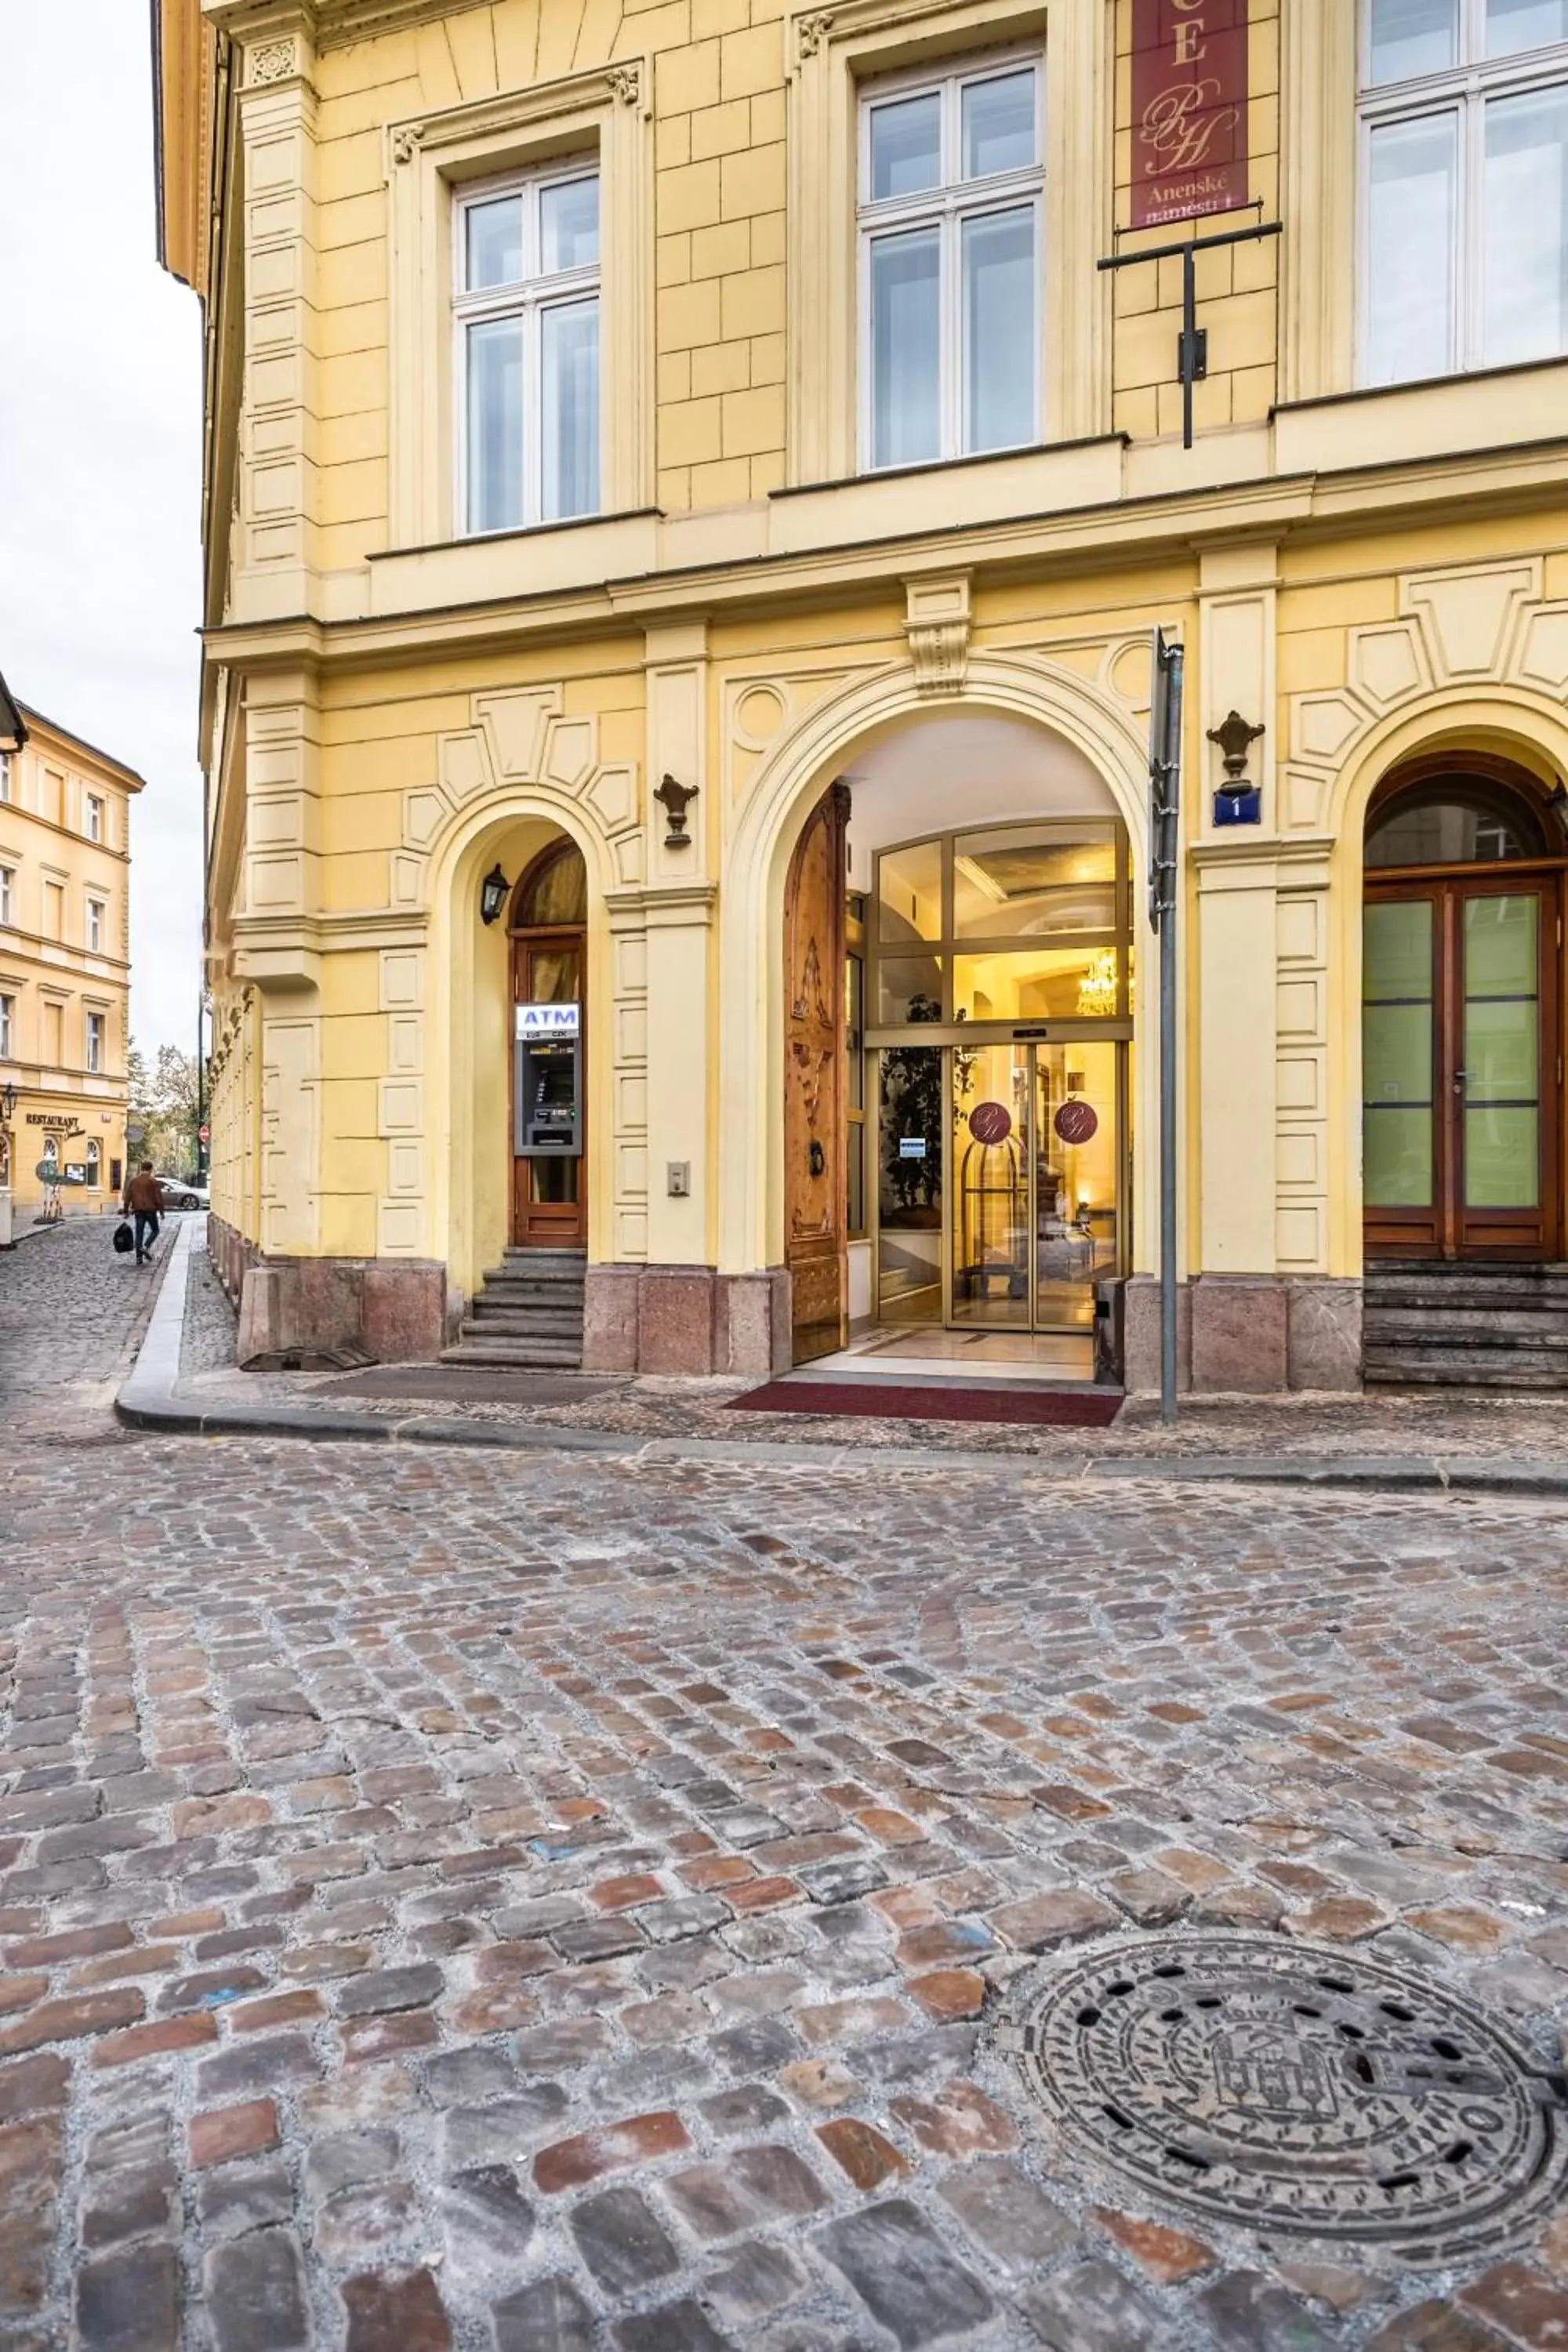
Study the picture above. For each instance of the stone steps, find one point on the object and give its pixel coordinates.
(1466, 1325)
(527, 1314)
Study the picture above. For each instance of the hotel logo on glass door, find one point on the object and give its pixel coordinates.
(1189, 108)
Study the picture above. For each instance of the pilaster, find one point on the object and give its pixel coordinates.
(279, 428)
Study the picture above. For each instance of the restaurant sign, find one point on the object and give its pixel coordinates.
(1189, 108)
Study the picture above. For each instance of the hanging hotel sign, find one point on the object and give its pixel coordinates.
(1189, 108)
(536, 1022)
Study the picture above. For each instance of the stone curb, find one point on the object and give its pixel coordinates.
(148, 1400)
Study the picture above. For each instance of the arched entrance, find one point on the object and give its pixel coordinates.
(1462, 986)
(549, 937)
(958, 1033)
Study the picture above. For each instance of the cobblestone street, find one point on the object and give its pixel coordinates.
(519, 1903)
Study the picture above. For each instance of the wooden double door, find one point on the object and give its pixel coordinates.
(549, 958)
(1462, 1080)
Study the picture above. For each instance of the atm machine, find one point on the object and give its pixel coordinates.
(548, 1093)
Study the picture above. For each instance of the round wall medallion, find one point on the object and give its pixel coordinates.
(1295, 2087)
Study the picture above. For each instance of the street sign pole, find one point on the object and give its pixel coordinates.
(1165, 823)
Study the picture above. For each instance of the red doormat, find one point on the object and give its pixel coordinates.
(977, 1400)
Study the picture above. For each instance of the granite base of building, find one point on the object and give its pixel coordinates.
(686, 1320)
(394, 1313)
(1248, 1335)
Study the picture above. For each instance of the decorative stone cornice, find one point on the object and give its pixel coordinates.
(626, 84)
(333, 24)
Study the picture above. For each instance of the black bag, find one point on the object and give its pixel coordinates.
(124, 1238)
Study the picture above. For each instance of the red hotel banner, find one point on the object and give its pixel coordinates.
(1189, 108)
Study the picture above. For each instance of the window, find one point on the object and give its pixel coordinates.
(94, 1164)
(950, 215)
(1465, 197)
(95, 1042)
(5, 758)
(8, 1028)
(96, 912)
(7, 893)
(94, 817)
(527, 323)
(5, 1159)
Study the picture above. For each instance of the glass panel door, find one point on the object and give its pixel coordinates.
(1078, 1179)
(1398, 1035)
(911, 1113)
(990, 1224)
(1500, 1080)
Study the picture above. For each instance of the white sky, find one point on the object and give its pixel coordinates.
(100, 455)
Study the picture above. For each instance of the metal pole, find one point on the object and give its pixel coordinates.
(1165, 776)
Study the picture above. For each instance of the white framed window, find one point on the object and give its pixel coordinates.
(94, 817)
(526, 324)
(1464, 186)
(7, 1028)
(94, 1164)
(95, 1028)
(5, 759)
(95, 919)
(950, 230)
(7, 893)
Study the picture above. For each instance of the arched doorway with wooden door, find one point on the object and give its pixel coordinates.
(1462, 995)
(548, 994)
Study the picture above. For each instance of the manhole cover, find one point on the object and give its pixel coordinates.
(1293, 2087)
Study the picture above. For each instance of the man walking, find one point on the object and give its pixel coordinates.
(144, 1203)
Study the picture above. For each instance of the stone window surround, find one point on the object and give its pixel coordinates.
(832, 52)
(605, 110)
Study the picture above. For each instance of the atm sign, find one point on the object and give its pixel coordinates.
(544, 1020)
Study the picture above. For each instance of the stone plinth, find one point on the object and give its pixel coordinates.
(685, 1320)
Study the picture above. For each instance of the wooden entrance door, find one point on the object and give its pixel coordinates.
(1462, 1086)
(816, 1229)
(549, 939)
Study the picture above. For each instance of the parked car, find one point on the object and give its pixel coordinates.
(179, 1194)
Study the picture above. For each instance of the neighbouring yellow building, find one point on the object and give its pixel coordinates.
(65, 964)
(688, 510)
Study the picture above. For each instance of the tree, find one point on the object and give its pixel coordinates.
(163, 1100)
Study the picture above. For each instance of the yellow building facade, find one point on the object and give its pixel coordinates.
(65, 964)
(686, 518)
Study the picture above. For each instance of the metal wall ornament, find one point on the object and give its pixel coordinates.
(1237, 801)
(675, 799)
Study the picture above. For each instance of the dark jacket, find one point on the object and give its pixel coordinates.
(146, 1193)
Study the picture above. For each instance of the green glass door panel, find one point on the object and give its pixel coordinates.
(1500, 945)
(1396, 1147)
(1396, 950)
(1396, 1050)
(1397, 1142)
(1501, 1069)
(1502, 1158)
(1502, 1049)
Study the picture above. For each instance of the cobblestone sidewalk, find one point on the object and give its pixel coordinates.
(1477, 1428)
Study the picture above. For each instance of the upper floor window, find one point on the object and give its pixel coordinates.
(951, 185)
(527, 322)
(7, 893)
(5, 759)
(7, 1026)
(1465, 128)
(94, 817)
(95, 924)
(95, 1034)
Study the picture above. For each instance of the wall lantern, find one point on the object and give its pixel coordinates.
(1237, 801)
(7, 1104)
(493, 892)
(675, 800)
